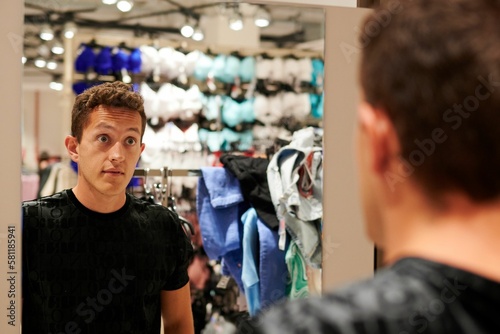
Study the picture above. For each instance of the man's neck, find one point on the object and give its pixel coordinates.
(465, 235)
(95, 201)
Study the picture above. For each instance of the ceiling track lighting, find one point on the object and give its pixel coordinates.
(187, 29)
(56, 85)
(46, 33)
(51, 65)
(70, 30)
(235, 21)
(198, 34)
(57, 48)
(125, 5)
(262, 17)
(40, 62)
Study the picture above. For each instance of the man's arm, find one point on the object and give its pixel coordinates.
(176, 311)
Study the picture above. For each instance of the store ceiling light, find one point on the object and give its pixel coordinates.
(46, 33)
(57, 48)
(109, 2)
(235, 21)
(187, 30)
(70, 30)
(56, 85)
(43, 50)
(51, 65)
(198, 34)
(262, 18)
(40, 62)
(125, 5)
(24, 59)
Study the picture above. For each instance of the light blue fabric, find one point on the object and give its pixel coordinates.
(272, 274)
(273, 269)
(217, 202)
(203, 67)
(316, 105)
(318, 72)
(234, 113)
(218, 67)
(213, 139)
(249, 275)
(243, 139)
(247, 69)
(232, 69)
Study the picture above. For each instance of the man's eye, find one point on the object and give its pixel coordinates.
(103, 139)
(131, 141)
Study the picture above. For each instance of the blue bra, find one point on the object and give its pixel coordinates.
(234, 113)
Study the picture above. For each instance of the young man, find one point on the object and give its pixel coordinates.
(97, 260)
(429, 159)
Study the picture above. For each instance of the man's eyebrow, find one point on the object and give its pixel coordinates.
(110, 127)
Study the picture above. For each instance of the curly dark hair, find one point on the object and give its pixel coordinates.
(434, 68)
(113, 94)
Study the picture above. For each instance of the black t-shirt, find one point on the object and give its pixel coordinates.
(412, 296)
(88, 272)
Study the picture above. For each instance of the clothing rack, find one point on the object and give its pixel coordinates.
(165, 173)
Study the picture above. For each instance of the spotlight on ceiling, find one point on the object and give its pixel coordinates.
(262, 18)
(57, 48)
(198, 34)
(70, 30)
(187, 29)
(109, 2)
(125, 5)
(40, 62)
(56, 85)
(46, 33)
(51, 65)
(235, 21)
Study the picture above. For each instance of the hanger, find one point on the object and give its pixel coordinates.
(147, 190)
(186, 225)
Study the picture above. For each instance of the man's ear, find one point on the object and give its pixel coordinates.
(71, 144)
(382, 138)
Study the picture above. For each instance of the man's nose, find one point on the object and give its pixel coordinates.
(116, 152)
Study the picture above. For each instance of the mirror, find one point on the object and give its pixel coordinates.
(295, 34)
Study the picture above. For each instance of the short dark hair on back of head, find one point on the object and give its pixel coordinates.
(434, 68)
(112, 94)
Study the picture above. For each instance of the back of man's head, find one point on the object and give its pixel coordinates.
(434, 68)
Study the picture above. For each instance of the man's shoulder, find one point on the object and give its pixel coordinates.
(372, 306)
(53, 201)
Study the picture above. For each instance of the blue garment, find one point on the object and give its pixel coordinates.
(318, 72)
(103, 64)
(203, 67)
(247, 69)
(272, 270)
(134, 61)
(250, 275)
(85, 60)
(234, 113)
(219, 203)
(119, 60)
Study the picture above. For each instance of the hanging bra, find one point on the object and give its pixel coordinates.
(268, 110)
(85, 60)
(296, 105)
(234, 113)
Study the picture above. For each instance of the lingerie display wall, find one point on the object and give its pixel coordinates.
(200, 102)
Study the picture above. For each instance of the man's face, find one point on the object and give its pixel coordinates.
(109, 150)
